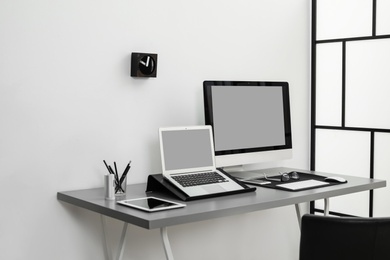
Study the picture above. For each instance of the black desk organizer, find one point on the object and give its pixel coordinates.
(302, 177)
(156, 183)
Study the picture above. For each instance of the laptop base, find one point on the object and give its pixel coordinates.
(157, 183)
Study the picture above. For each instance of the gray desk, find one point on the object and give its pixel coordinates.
(263, 198)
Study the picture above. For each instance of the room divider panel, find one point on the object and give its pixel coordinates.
(350, 92)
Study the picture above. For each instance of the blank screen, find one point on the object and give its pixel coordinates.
(150, 203)
(247, 117)
(185, 149)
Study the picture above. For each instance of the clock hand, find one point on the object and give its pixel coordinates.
(147, 61)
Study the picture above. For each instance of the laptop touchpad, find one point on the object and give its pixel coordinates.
(213, 188)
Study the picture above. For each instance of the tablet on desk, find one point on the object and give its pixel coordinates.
(151, 204)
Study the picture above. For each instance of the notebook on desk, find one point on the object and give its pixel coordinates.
(187, 156)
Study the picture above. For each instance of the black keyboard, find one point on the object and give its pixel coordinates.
(196, 179)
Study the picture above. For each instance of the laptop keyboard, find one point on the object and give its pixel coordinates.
(196, 179)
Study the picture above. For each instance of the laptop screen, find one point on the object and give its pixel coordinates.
(187, 148)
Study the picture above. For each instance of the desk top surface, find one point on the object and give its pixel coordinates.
(198, 210)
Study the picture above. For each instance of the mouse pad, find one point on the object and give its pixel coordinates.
(302, 177)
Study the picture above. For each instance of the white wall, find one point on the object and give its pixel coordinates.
(67, 102)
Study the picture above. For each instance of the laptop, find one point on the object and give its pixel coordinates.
(188, 153)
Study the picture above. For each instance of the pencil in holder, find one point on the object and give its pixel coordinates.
(120, 181)
(120, 186)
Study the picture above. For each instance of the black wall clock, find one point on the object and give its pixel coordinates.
(143, 65)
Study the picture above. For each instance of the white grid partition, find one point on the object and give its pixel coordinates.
(350, 120)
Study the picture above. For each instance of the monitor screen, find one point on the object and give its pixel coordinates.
(251, 121)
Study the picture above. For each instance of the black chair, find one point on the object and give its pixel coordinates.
(344, 238)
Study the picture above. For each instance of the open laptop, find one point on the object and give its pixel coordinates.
(189, 151)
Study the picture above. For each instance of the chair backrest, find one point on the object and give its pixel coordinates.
(343, 238)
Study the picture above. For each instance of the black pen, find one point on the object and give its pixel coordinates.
(107, 166)
(115, 177)
(123, 177)
(116, 170)
(125, 173)
(116, 173)
(111, 170)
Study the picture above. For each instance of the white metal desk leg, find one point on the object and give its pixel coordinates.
(121, 246)
(122, 242)
(326, 208)
(106, 248)
(298, 211)
(167, 245)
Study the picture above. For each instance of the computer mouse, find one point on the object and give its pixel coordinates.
(335, 179)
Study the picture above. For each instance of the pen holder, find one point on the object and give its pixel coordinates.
(109, 187)
(120, 181)
(120, 186)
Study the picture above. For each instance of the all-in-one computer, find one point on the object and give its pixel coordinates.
(250, 120)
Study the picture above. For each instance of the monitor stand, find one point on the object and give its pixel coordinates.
(239, 172)
(234, 169)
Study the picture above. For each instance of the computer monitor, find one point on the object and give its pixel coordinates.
(250, 120)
